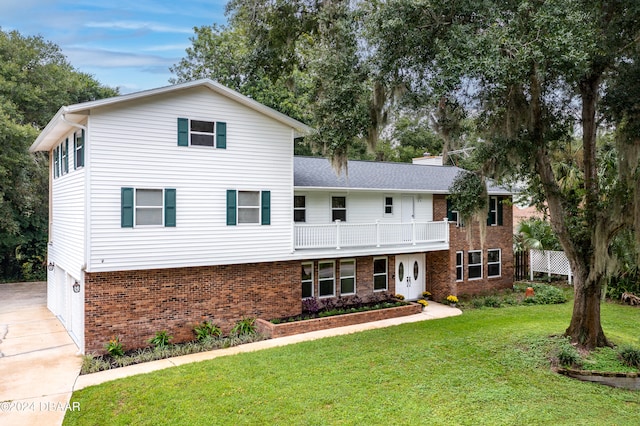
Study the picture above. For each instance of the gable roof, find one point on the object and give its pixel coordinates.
(69, 117)
(317, 173)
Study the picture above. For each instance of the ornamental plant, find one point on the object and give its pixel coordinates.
(399, 297)
(161, 339)
(452, 299)
(423, 302)
(426, 294)
(114, 347)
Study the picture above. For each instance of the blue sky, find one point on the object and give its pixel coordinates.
(128, 44)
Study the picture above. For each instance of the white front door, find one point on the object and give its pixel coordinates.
(410, 275)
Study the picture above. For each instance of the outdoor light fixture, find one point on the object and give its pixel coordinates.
(76, 287)
(51, 265)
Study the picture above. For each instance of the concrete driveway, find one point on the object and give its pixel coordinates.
(39, 363)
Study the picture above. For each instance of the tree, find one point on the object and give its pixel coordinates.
(35, 80)
(522, 67)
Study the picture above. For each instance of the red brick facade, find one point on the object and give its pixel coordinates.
(136, 304)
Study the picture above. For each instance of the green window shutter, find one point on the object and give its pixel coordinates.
(266, 208)
(221, 135)
(499, 208)
(183, 132)
(231, 207)
(126, 216)
(170, 207)
(449, 211)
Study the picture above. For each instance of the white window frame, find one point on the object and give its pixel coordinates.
(332, 279)
(460, 266)
(195, 132)
(385, 274)
(342, 277)
(303, 281)
(64, 154)
(499, 263)
(469, 265)
(386, 205)
(493, 210)
(336, 208)
(257, 207)
(78, 149)
(302, 209)
(136, 207)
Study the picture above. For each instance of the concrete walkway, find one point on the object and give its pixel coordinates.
(39, 362)
(40, 366)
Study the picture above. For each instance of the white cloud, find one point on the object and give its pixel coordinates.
(98, 58)
(138, 25)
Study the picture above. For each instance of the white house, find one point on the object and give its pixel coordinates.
(185, 203)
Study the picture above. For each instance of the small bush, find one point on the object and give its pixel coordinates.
(568, 355)
(160, 340)
(630, 356)
(244, 327)
(310, 305)
(114, 347)
(546, 295)
(206, 329)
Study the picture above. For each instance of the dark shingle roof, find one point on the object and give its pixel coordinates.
(317, 173)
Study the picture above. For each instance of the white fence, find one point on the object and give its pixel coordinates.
(341, 234)
(550, 262)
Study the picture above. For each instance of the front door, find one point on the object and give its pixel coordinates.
(410, 275)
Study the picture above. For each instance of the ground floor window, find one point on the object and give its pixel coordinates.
(307, 280)
(326, 279)
(380, 274)
(459, 266)
(494, 263)
(347, 277)
(474, 264)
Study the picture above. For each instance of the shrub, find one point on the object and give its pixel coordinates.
(160, 340)
(206, 329)
(310, 305)
(630, 356)
(568, 355)
(546, 295)
(245, 326)
(114, 347)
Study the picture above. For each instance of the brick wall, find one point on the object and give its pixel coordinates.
(497, 237)
(137, 304)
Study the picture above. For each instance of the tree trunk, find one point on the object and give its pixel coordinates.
(585, 328)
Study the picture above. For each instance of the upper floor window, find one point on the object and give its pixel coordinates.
(147, 207)
(299, 208)
(202, 133)
(78, 148)
(388, 205)
(248, 207)
(494, 217)
(339, 209)
(64, 158)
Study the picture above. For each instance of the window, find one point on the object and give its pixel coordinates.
(64, 159)
(494, 217)
(453, 215)
(347, 276)
(299, 208)
(202, 133)
(148, 207)
(459, 266)
(494, 263)
(326, 279)
(78, 148)
(475, 264)
(388, 205)
(380, 274)
(339, 209)
(248, 207)
(307, 280)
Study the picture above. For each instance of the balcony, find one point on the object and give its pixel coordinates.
(339, 235)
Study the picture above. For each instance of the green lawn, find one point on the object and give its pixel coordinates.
(487, 366)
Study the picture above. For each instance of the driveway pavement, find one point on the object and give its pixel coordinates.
(39, 363)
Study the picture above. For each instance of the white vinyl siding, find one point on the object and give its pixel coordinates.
(363, 207)
(134, 145)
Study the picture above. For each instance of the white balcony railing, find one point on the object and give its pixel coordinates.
(341, 234)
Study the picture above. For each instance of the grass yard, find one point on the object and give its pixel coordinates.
(486, 367)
